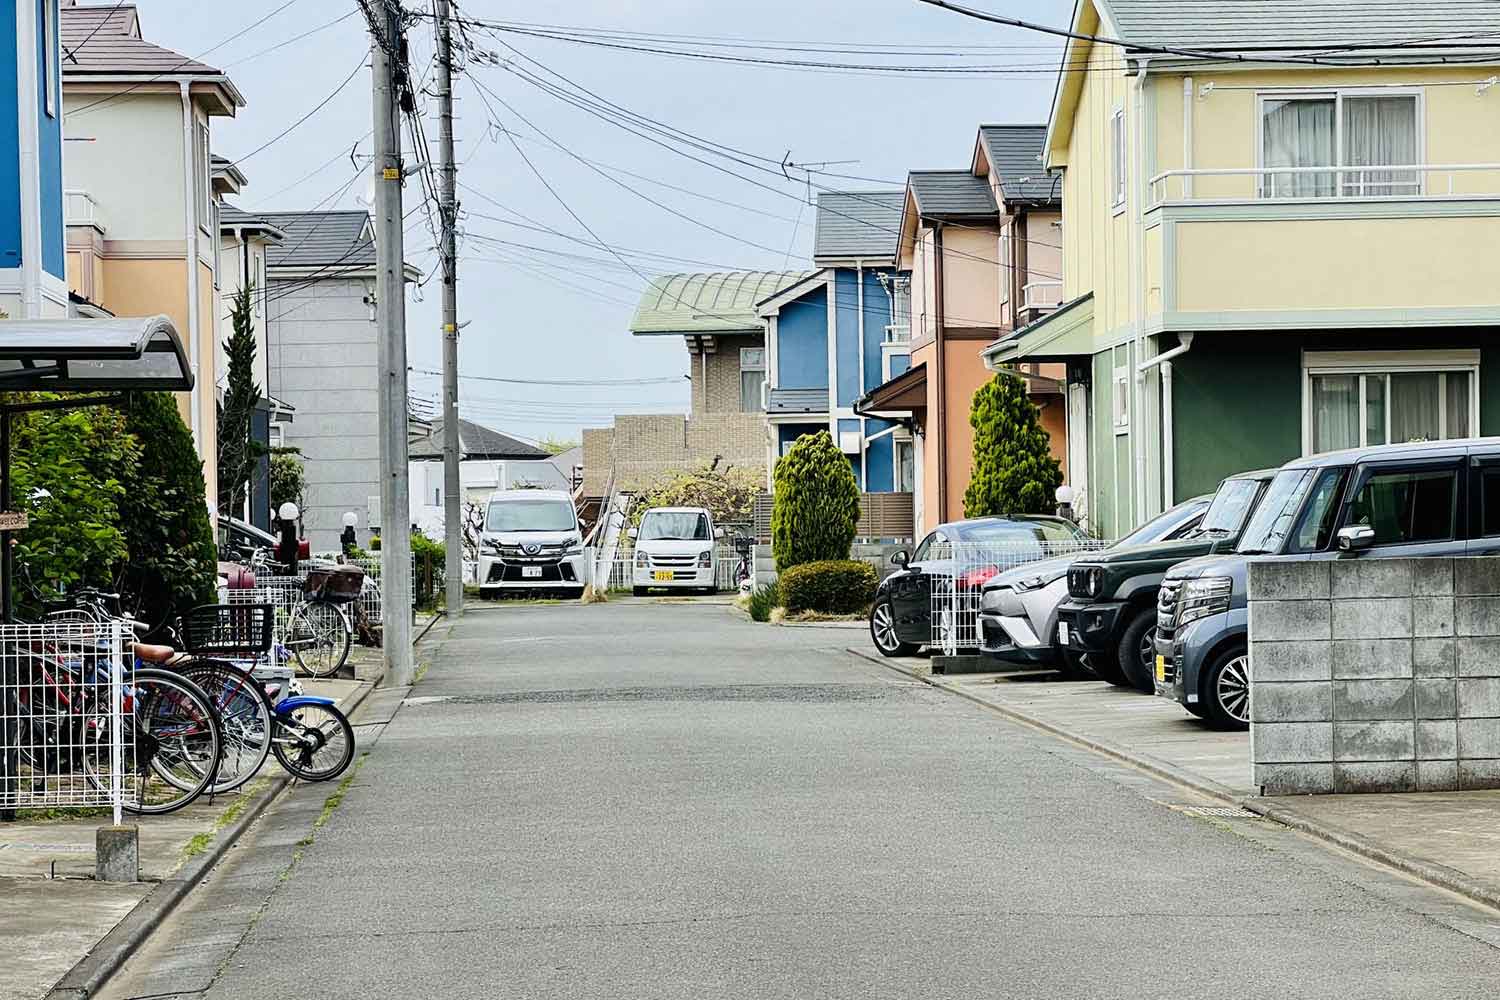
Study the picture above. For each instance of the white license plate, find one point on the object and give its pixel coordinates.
(1062, 633)
(531, 571)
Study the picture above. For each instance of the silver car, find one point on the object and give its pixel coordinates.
(1018, 610)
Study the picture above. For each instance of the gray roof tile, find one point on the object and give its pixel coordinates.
(952, 194)
(857, 224)
(475, 441)
(1015, 153)
(104, 38)
(321, 239)
(230, 217)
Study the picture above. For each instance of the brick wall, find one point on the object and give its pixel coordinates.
(1375, 675)
(719, 392)
(644, 449)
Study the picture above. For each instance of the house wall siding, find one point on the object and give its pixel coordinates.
(802, 342)
(716, 377)
(146, 202)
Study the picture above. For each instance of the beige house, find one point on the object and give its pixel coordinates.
(142, 236)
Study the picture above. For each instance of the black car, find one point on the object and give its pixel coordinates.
(901, 618)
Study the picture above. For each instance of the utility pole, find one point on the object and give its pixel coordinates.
(453, 526)
(395, 506)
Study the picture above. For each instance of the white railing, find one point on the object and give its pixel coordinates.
(1413, 180)
(80, 209)
(62, 690)
(622, 572)
(1041, 294)
(957, 575)
(898, 333)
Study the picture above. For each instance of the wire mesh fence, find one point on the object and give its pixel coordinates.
(958, 571)
(622, 571)
(63, 687)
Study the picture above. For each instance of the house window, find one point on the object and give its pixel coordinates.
(260, 283)
(204, 194)
(752, 376)
(1117, 156)
(1338, 144)
(899, 332)
(277, 436)
(906, 467)
(1007, 271)
(50, 49)
(1121, 401)
(1398, 401)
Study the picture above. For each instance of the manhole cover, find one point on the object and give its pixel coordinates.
(1222, 812)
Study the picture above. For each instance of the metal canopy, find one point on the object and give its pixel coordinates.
(84, 355)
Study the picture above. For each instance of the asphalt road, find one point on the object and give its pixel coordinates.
(663, 800)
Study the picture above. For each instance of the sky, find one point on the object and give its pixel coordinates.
(533, 313)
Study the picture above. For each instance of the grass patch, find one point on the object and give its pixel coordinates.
(53, 815)
(201, 842)
(333, 801)
(763, 600)
(823, 616)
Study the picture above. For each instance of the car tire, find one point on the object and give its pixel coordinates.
(883, 631)
(1134, 648)
(1226, 690)
(1070, 664)
(1106, 668)
(639, 591)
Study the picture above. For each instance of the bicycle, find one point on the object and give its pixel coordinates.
(744, 571)
(318, 634)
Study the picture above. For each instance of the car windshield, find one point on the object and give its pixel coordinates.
(1274, 517)
(1161, 525)
(530, 515)
(1230, 507)
(683, 525)
(1019, 531)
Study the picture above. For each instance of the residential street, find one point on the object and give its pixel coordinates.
(664, 800)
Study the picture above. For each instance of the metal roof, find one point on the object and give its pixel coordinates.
(857, 224)
(80, 355)
(475, 441)
(106, 38)
(1410, 28)
(1015, 154)
(322, 239)
(952, 194)
(719, 302)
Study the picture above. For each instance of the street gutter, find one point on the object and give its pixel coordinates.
(1275, 810)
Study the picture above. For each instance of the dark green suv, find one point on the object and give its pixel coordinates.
(1110, 612)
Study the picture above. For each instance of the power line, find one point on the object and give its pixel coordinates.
(582, 382)
(315, 109)
(295, 38)
(72, 53)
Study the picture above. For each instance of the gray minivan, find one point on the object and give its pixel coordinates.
(1426, 499)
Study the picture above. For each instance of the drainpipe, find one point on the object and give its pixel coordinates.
(1137, 272)
(28, 82)
(1187, 135)
(864, 472)
(942, 388)
(1164, 359)
(190, 201)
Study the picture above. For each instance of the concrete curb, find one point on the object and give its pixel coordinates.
(112, 951)
(1278, 812)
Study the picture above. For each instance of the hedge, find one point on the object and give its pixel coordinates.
(835, 587)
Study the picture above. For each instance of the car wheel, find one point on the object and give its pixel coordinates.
(1136, 653)
(639, 591)
(1226, 694)
(883, 631)
(1106, 668)
(1072, 667)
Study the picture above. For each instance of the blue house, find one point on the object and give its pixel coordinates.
(840, 332)
(33, 262)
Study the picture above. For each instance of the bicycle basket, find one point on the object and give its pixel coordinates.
(227, 629)
(340, 584)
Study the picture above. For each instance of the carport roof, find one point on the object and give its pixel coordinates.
(84, 355)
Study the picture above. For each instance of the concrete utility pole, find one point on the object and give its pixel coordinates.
(395, 505)
(453, 527)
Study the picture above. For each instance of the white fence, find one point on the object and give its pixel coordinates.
(958, 572)
(62, 689)
(622, 571)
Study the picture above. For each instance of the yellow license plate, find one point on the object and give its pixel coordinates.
(1161, 668)
(662, 574)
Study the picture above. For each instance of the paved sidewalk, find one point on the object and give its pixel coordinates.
(1450, 838)
(53, 912)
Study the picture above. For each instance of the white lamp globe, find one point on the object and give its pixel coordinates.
(288, 511)
(1064, 494)
(351, 519)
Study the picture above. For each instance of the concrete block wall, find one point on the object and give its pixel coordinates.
(644, 449)
(1375, 675)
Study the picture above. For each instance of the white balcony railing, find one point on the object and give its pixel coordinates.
(1400, 181)
(1041, 294)
(898, 333)
(80, 209)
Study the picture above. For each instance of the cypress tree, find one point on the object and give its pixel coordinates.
(816, 509)
(1014, 471)
(239, 452)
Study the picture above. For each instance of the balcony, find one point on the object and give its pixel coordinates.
(1041, 296)
(1401, 245)
(80, 209)
(898, 333)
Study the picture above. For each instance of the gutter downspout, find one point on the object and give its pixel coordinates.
(1187, 135)
(1137, 293)
(1164, 359)
(864, 472)
(28, 137)
(942, 388)
(190, 216)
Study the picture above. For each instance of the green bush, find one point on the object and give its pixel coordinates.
(422, 547)
(835, 587)
(816, 510)
(164, 515)
(763, 600)
(1014, 471)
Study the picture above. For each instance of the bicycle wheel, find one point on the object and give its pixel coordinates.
(314, 742)
(172, 743)
(318, 637)
(245, 713)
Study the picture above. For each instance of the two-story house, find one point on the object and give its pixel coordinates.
(1275, 245)
(142, 238)
(33, 277)
(840, 332)
(982, 247)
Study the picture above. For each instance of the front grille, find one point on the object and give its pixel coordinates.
(514, 573)
(1166, 608)
(1078, 581)
(673, 561)
(544, 553)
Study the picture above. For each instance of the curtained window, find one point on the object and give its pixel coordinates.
(1396, 407)
(1337, 144)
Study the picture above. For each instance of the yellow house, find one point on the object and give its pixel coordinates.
(142, 232)
(1280, 240)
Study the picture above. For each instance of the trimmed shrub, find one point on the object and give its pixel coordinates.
(834, 587)
(763, 600)
(1014, 471)
(817, 503)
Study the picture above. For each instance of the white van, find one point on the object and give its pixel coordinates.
(531, 540)
(674, 549)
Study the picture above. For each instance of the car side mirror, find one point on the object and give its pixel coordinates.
(718, 532)
(635, 532)
(901, 558)
(1356, 537)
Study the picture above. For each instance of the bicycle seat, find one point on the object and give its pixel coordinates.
(152, 653)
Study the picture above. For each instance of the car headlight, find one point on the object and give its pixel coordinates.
(1086, 581)
(574, 549)
(990, 600)
(1036, 581)
(642, 560)
(489, 549)
(1200, 598)
(706, 559)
